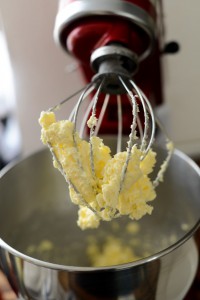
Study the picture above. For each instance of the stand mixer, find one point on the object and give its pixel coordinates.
(95, 32)
(116, 37)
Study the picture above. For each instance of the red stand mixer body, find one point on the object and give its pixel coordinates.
(93, 30)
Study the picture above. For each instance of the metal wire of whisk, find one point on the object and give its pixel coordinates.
(136, 96)
(113, 79)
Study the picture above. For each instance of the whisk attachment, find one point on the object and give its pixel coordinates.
(103, 184)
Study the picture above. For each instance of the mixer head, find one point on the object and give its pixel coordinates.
(110, 38)
(84, 26)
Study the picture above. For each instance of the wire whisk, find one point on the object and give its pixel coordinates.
(106, 186)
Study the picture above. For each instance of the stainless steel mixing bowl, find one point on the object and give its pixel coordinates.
(34, 207)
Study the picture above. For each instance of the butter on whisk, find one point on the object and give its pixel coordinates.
(103, 185)
(100, 194)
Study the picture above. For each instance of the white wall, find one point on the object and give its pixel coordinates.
(41, 79)
(182, 74)
(40, 67)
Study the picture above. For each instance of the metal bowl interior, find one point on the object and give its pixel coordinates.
(35, 207)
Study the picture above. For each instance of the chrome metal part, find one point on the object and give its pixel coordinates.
(112, 60)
